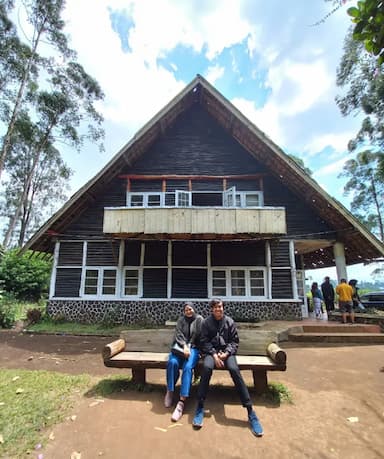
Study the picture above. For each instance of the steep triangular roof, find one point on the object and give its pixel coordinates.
(360, 244)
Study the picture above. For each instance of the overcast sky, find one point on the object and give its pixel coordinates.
(266, 57)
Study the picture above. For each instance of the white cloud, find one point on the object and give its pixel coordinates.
(332, 168)
(214, 73)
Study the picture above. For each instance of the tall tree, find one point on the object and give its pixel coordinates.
(363, 88)
(47, 26)
(366, 184)
(62, 113)
(28, 198)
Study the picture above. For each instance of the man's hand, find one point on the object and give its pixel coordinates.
(219, 363)
(223, 355)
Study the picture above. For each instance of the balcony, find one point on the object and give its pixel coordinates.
(192, 222)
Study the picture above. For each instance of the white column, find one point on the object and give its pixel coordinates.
(341, 267)
(268, 261)
(293, 269)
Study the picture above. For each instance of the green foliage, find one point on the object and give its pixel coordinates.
(32, 402)
(366, 184)
(362, 93)
(25, 276)
(7, 313)
(368, 17)
(278, 393)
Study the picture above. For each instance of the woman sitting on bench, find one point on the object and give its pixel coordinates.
(184, 355)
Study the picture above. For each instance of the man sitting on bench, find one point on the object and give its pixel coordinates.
(219, 342)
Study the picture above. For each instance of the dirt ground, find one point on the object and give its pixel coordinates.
(337, 410)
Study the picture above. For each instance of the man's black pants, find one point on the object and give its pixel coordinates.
(233, 368)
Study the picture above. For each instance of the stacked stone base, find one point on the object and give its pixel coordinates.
(148, 313)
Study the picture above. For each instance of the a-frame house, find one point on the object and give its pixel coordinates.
(199, 203)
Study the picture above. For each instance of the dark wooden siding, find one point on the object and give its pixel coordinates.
(102, 254)
(281, 283)
(189, 283)
(70, 253)
(189, 254)
(68, 282)
(238, 254)
(132, 253)
(280, 254)
(156, 254)
(155, 283)
(302, 221)
(196, 145)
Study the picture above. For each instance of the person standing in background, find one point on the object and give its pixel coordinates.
(328, 294)
(317, 298)
(345, 293)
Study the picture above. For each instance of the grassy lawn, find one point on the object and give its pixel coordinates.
(32, 401)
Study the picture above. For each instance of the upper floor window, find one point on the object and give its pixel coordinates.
(181, 198)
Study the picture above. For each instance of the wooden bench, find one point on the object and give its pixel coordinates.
(142, 349)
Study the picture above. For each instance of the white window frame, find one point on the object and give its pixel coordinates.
(247, 270)
(145, 196)
(100, 282)
(139, 281)
(180, 196)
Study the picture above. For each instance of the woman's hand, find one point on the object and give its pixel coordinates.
(187, 351)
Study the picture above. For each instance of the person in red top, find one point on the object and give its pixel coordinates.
(345, 293)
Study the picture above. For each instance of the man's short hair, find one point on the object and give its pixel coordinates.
(343, 280)
(214, 302)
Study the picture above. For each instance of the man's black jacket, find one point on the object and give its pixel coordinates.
(219, 336)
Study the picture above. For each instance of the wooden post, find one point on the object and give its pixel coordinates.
(260, 381)
(138, 375)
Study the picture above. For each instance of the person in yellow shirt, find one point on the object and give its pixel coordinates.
(345, 293)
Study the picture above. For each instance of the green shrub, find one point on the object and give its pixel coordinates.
(7, 312)
(25, 276)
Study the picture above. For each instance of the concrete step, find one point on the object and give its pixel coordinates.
(343, 337)
(341, 328)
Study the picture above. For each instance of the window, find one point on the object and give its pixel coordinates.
(219, 287)
(233, 198)
(100, 281)
(183, 198)
(236, 282)
(131, 282)
(145, 199)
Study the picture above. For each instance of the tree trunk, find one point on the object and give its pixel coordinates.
(16, 108)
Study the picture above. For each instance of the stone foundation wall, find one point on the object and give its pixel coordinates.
(158, 312)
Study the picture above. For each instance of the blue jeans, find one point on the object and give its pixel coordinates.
(174, 365)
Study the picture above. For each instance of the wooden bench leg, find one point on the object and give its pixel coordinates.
(138, 375)
(260, 381)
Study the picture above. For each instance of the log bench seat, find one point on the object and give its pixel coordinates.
(142, 349)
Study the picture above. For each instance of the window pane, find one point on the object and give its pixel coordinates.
(237, 282)
(257, 282)
(91, 277)
(154, 200)
(137, 200)
(252, 200)
(109, 282)
(131, 282)
(219, 283)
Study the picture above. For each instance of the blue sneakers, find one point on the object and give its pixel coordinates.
(255, 424)
(198, 419)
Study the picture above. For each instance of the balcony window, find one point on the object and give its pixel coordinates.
(181, 198)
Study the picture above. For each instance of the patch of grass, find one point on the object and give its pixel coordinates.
(74, 328)
(278, 393)
(31, 401)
